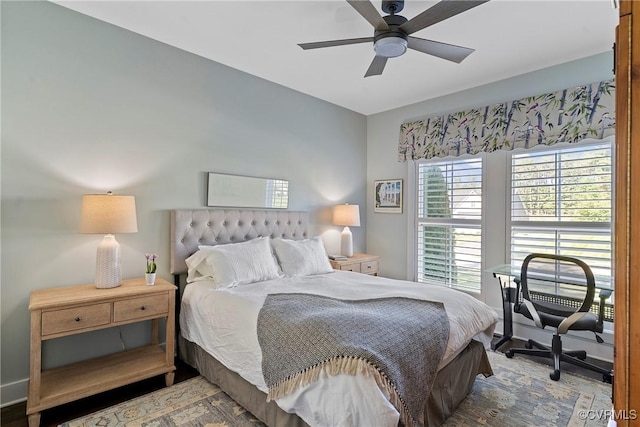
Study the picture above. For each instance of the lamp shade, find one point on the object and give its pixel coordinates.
(347, 215)
(108, 214)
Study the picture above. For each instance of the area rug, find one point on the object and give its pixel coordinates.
(519, 394)
(194, 402)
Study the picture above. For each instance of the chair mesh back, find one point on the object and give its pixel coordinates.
(557, 282)
(573, 302)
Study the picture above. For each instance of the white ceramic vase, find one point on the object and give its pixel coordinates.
(150, 278)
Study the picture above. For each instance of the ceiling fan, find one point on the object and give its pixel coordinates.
(391, 37)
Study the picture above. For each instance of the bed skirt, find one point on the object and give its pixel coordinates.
(451, 386)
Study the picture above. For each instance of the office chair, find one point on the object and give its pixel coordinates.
(543, 277)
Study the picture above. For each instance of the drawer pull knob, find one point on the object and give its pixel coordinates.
(142, 308)
(78, 319)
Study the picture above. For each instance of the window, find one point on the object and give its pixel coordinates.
(552, 200)
(561, 202)
(449, 213)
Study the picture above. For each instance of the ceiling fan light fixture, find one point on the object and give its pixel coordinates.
(392, 33)
(390, 47)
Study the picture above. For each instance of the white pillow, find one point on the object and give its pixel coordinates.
(302, 257)
(234, 264)
(197, 268)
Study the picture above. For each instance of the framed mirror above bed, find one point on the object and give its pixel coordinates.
(247, 191)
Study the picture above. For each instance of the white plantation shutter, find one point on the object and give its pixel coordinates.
(449, 212)
(561, 203)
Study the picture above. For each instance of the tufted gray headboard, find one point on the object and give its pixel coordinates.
(190, 228)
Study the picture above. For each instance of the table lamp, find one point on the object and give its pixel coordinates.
(347, 215)
(108, 214)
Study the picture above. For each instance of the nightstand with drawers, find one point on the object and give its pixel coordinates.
(69, 310)
(359, 263)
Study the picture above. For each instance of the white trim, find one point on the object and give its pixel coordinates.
(14, 392)
(410, 202)
(484, 242)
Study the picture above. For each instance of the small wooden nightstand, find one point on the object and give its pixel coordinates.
(57, 312)
(360, 263)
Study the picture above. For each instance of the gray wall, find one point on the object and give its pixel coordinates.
(89, 107)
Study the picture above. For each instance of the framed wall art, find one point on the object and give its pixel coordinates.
(388, 196)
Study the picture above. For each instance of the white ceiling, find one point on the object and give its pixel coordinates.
(510, 37)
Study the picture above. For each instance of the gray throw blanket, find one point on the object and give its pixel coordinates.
(398, 341)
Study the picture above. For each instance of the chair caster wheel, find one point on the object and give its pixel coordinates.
(528, 345)
(509, 354)
(607, 378)
(555, 375)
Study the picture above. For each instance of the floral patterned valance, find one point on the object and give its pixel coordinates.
(569, 115)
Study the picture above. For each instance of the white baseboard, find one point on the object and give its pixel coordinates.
(14, 392)
(575, 340)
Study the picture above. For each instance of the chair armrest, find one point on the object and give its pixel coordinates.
(604, 295)
(517, 301)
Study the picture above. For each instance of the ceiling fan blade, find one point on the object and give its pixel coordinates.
(439, 12)
(377, 66)
(331, 43)
(370, 13)
(450, 52)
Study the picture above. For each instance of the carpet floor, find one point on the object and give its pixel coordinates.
(519, 394)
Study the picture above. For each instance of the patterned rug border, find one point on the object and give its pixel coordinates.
(492, 402)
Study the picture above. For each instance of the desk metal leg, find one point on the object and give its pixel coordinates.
(501, 341)
(508, 297)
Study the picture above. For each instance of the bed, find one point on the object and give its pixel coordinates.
(224, 328)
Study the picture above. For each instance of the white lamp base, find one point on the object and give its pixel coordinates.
(108, 272)
(346, 242)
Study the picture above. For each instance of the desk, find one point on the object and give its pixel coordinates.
(505, 272)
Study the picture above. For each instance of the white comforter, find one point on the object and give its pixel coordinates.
(223, 322)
